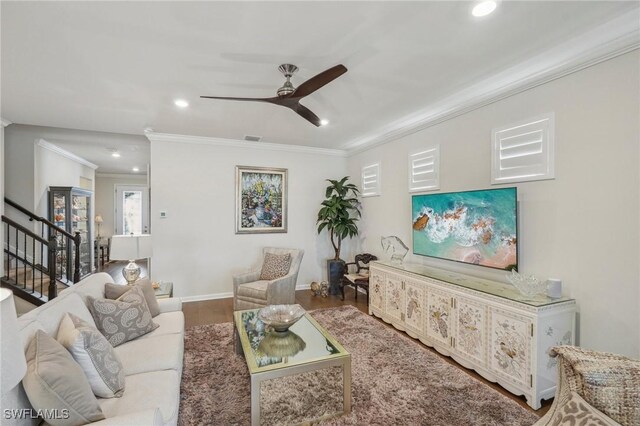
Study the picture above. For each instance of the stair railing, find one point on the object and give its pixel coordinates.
(22, 261)
(50, 232)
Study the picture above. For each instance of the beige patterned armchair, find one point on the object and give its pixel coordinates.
(594, 388)
(250, 292)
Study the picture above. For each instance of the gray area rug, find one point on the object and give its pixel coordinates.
(395, 381)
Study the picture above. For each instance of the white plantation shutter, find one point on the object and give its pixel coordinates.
(524, 151)
(424, 170)
(371, 180)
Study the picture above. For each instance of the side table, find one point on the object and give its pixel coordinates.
(165, 290)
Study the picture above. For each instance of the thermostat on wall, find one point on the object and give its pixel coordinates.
(163, 214)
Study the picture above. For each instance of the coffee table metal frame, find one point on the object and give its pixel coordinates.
(274, 371)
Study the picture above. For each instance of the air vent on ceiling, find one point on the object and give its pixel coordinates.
(251, 138)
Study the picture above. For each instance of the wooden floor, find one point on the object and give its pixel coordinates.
(221, 310)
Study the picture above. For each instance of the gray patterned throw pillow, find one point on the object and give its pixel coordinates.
(94, 354)
(123, 319)
(275, 266)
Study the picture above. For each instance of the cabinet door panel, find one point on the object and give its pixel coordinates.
(376, 290)
(439, 313)
(414, 307)
(510, 346)
(471, 318)
(394, 293)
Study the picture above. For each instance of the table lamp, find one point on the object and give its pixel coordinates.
(14, 364)
(99, 221)
(131, 248)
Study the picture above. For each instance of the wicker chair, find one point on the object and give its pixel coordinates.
(597, 386)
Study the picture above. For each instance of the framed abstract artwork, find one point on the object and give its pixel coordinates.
(261, 200)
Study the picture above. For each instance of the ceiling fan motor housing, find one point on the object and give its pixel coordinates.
(287, 88)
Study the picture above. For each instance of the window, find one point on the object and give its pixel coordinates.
(371, 180)
(524, 151)
(424, 170)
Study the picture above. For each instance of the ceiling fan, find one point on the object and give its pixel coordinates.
(289, 96)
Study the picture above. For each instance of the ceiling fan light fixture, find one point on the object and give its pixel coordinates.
(484, 8)
(181, 103)
(324, 122)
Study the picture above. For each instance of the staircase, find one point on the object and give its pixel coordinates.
(35, 266)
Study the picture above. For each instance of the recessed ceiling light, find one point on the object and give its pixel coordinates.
(136, 169)
(324, 122)
(484, 8)
(115, 154)
(181, 103)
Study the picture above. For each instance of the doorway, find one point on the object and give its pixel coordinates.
(132, 209)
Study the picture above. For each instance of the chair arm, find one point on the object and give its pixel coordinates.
(146, 418)
(282, 290)
(248, 277)
(171, 304)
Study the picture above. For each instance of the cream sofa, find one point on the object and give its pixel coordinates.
(152, 363)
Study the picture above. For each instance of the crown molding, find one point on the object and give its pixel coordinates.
(121, 175)
(5, 122)
(55, 148)
(614, 38)
(235, 143)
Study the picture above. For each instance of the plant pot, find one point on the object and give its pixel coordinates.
(335, 271)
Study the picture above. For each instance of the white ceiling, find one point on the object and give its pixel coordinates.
(118, 66)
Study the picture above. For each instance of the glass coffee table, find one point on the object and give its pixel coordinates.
(306, 346)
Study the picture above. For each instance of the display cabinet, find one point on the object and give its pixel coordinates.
(484, 325)
(70, 209)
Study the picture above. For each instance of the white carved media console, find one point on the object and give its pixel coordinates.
(484, 325)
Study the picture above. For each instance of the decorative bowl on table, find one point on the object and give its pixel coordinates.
(528, 285)
(281, 317)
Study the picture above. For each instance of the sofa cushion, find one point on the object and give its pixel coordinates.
(275, 266)
(254, 290)
(147, 391)
(94, 354)
(49, 315)
(576, 411)
(123, 319)
(55, 381)
(169, 323)
(114, 291)
(163, 352)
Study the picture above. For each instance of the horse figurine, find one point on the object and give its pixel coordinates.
(397, 248)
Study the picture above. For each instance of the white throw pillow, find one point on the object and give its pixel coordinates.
(95, 355)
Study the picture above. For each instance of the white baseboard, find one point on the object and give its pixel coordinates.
(213, 296)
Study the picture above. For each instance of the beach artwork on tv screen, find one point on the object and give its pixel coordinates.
(477, 227)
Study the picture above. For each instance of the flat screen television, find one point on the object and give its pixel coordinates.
(475, 227)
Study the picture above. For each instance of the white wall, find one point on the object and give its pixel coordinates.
(196, 246)
(105, 198)
(582, 227)
(19, 175)
(54, 169)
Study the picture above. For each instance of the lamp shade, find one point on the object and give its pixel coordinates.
(130, 247)
(99, 219)
(14, 364)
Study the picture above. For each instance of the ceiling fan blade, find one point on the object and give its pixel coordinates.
(314, 83)
(306, 113)
(274, 100)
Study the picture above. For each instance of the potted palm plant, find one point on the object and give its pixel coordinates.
(339, 215)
